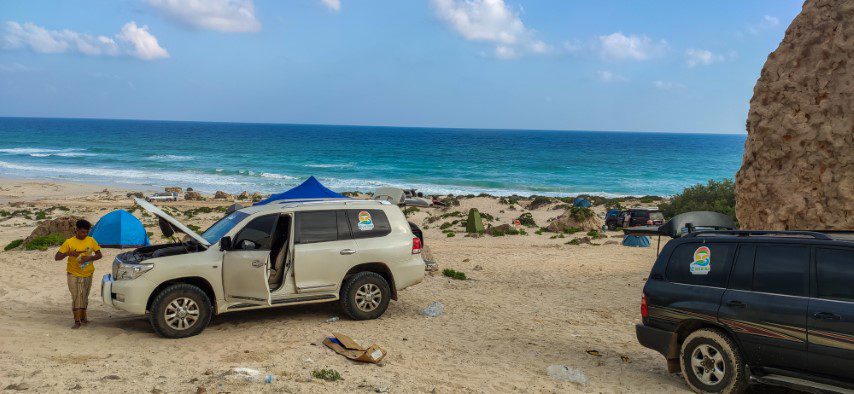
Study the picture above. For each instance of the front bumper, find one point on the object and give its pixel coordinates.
(659, 340)
(128, 295)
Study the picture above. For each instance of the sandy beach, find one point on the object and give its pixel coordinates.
(530, 302)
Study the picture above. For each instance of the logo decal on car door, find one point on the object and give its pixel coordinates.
(702, 261)
(365, 221)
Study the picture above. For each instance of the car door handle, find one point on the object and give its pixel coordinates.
(735, 304)
(347, 251)
(257, 263)
(826, 316)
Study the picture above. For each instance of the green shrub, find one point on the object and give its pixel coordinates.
(14, 244)
(62, 208)
(539, 201)
(571, 230)
(527, 220)
(194, 227)
(581, 213)
(41, 215)
(410, 210)
(450, 234)
(539, 232)
(595, 234)
(45, 241)
(458, 275)
(329, 375)
(486, 216)
(446, 225)
(573, 242)
(649, 199)
(716, 196)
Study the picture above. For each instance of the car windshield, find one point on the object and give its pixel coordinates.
(656, 216)
(220, 228)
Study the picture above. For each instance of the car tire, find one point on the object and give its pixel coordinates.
(188, 306)
(612, 227)
(712, 363)
(365, 296)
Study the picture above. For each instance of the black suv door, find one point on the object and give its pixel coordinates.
(830, 321)
(766, 304)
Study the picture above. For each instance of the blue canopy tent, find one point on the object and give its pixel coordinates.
(311, 189)
(636, 240)
(119, 229)
(581, 202)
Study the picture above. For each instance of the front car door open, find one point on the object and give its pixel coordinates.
(245, 265)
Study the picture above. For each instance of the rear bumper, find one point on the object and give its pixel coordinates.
(661, 341)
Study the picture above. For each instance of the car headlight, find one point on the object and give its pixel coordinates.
(131, 271)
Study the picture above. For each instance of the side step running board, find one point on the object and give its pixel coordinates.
(801, 384)
(283, 301)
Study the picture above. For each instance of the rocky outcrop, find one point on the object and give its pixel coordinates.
(797, 171)
(221, 195)
(243, 196)
(174, 189)
(575, 218)
(193, 196)
(63, 225)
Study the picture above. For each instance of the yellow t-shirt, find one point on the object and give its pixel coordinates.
(88, 246)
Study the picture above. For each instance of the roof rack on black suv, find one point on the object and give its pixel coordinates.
(730, 307)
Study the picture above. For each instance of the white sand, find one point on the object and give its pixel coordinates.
(536, 302)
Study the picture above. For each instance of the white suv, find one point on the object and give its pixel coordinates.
(358, 252)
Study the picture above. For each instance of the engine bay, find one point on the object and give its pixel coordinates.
(139, 255)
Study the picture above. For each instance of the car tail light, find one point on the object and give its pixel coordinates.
(416, 245)
(649, 222)
(644, 308)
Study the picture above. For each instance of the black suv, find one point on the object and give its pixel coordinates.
(730, 307)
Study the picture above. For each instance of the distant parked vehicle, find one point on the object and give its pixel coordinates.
(163, 197)
(638, 217)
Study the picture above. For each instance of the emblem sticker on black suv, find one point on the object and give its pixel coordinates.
(702, 261)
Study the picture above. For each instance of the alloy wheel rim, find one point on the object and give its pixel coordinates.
(182, 313)
(707, 364)
(368, 297)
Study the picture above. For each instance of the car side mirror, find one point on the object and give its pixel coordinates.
(225, 243)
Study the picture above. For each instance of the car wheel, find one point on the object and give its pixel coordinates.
(712, 363)
(612, 227)
(179, 311)
(365, 296)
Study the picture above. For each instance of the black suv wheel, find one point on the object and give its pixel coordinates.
(179, 311)
(711, 363)
(364, 296)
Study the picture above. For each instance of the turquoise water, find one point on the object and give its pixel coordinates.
(272, 157)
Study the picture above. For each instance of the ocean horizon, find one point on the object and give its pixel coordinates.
(265, 157)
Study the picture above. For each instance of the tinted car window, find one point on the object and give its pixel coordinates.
(742, 272)
(835, 274)
(656, 216)
(367, 223)
(781, 269)
(316, 226)
(259, 231)
(705, 264)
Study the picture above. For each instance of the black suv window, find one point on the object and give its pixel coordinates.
(367, 223)
(258, 232)
(705, 264)
(742, 273)
(781, 269)
(835, 274)
(316, 226)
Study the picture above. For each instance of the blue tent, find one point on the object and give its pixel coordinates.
(636, 240)
(581, 202)
(309, 190)
(119, 229)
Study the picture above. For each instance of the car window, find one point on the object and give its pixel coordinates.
(259, 232)
(640, 214)
(223, 226)
(368, 223)
(705, 264)
(781, 269)
(835, 274)
(316, 226)
(742, 272)
(656, 216)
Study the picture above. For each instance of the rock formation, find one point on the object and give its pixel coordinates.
(576, 218)
(797, 171)
(64, 225)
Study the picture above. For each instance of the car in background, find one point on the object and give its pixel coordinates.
(173, 196)
(638, 217)
(727, 308)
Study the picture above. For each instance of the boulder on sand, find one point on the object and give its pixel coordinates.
(576, 218)
(64, 225)
(798, 166)
(221, 195)
(243, 196)
(193, 196)
(174, 189)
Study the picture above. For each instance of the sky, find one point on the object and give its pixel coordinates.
(623, 65)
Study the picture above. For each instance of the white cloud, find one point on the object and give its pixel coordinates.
(131, 41)
(608, 77)
(334, 5)
(618, 46)
(221, 15)
(490, 21)
(668, 86)
(767, 22)
(702, 57)
(144, 44)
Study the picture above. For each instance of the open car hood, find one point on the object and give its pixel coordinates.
(172, 222)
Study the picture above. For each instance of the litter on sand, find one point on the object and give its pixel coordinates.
(347, 347)
(562, 372)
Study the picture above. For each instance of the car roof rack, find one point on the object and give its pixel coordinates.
(742, 233)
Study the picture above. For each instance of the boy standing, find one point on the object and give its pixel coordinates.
(81, 251)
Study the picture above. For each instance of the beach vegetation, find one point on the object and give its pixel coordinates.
(539, 232)
(715, 196)
(14, 244)
(450, 200)
(194, 228)
(539, 201)
(486, 216)
(135, 194)
(453, 274)
(571, 230)
(450, 234)
(410, 210)
(580, 213)
(509, 200)
(44, 242)
(62, 208)
(485, 195)
(41, 215)
(527, 220)
(561, 207)
(329, 375)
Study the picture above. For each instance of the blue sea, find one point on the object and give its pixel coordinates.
(273, 157)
